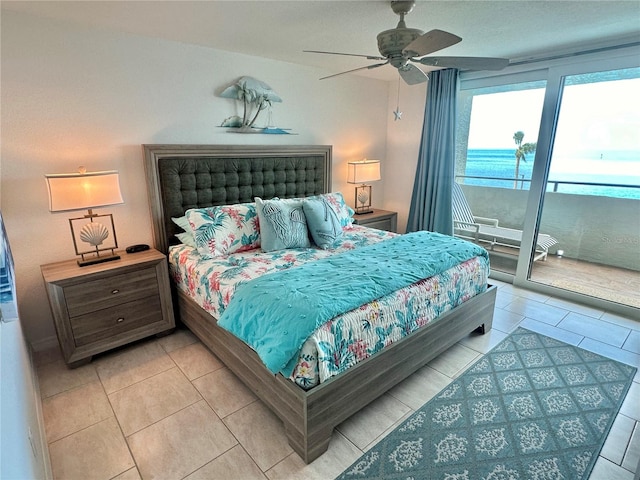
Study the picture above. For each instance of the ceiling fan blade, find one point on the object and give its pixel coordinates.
(369, 57)
(369, 67)
(465, 63)
(412, 75)
(430, 42)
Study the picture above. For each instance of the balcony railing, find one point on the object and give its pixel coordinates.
(597, 228)
(553, 183)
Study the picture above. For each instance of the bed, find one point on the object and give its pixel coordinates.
(181, 177)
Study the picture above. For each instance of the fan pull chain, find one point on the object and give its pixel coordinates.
(397, 113)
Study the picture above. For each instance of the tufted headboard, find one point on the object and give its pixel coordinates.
(180, 177)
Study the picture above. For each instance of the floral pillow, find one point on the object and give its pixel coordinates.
(225, 229)
(283, 224)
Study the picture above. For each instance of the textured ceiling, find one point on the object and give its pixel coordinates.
(280, 30)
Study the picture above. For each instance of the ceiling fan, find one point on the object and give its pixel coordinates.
(401, 47)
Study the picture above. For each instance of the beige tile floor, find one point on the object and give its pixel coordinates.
(167, 408)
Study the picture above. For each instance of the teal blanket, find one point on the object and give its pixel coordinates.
(276, 313)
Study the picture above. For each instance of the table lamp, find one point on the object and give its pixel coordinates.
(77, 191)
(361, 172)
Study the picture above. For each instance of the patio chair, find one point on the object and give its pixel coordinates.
(485, 231)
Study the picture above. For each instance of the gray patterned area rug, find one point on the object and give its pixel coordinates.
(531, 408)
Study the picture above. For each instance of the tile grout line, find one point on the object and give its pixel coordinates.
(135, 463)
(636, 429)
(146, 378)
(226, 425)
(627, 445)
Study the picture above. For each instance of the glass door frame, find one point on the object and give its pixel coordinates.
(554, 72)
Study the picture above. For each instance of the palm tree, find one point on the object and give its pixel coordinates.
(521, 152)
(254, 94)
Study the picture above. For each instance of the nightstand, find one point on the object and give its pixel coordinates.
(380, 219)
(100, 307)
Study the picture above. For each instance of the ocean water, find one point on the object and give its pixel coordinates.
(609, 167)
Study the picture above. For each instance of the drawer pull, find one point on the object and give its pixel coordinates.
(114, 291)
(120, 320)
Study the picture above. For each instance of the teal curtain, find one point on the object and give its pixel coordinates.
(431, 201)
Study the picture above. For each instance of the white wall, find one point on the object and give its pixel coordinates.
(403, 143)
(73, 96)
(23, 447)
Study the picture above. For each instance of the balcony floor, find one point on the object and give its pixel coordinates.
(618, 285)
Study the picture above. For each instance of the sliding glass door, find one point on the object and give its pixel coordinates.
(591, 201)
(568, 185)
(495, 161)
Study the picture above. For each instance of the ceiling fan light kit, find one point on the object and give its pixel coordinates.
(401, 47)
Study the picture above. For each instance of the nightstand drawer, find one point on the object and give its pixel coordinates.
(381, 225)
(95, 295)
(380, 219)
(103, 306)
(112, 321)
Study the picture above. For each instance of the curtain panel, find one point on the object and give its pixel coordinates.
(431, 200)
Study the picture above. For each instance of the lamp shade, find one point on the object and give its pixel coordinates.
(77, 191)
(363, 171)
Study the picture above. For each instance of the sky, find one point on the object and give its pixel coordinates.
(600, 116)
(593, 117)
(495, 117)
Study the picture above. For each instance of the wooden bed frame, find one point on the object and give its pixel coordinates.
(309, 416)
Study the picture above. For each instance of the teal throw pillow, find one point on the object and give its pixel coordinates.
(323, 221)
(282, 224)
(343, 211)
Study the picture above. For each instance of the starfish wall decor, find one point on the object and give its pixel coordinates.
(397, 113)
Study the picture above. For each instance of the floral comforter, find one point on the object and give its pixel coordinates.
(348, 338)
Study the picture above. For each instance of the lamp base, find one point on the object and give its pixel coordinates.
(94, 260)
(363, 199)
